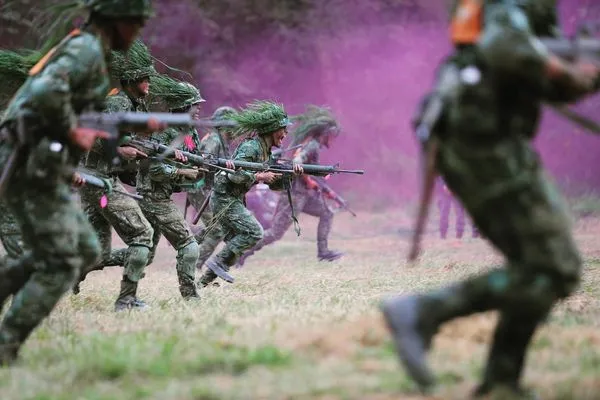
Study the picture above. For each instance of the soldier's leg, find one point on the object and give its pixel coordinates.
(444, 207)
(61, 241)
(460, 217)
(527, 222)
(280, 223)
(317, 207)
(242, 232)
(127, 219)
(207, 244)
(169, 218)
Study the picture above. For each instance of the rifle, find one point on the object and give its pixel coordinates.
(221, 163)
(105, 184)
(328, 191)
(583, 45)
(116, 123)
(429, 120)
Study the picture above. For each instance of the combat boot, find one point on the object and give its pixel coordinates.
(187, 287)
(8, 354)
(219, 268)
(127, 299)
(411, 338)
(505, 393)
(329, 255)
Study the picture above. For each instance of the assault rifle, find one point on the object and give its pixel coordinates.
(105, 184)
(328, 191)
(221, 163)
(117, 123)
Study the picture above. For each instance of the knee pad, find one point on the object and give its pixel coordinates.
(189, 254)
(256, 236)
(137, 259)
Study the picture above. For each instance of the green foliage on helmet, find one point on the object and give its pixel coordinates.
(134, 65)
(223, 113)
(262, 117)
(121, 8)
(176, 94)
(14, 68)
(314, 122)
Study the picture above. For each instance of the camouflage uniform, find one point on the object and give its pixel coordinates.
(488, 162)
(241, 230)
(60, 236)
(447, 201)
(156, 182)
(10, 233)
(316, 122)
(216, 144)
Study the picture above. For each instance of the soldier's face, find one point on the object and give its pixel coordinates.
(278, 137)
(195, 111)
(143, 87)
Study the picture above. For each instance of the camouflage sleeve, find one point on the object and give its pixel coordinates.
(210, 146)
(117, 103)
(247, 151)
(51, 88)
(163, 172)
(509, 45)
(309, 151)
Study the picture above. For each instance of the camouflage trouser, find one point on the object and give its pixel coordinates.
(503, 187)
(241, 231)
(445, 203)
(168, 220)
(61, 242)
(10, 233)
(124, 215)
(308, 202)
(211, 235)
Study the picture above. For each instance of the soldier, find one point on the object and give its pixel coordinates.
(317, 128)
(241, 230)
(446, 201)
(496, 81)
(158, 180)
(133, 70)
(40, 126)
(215, 143)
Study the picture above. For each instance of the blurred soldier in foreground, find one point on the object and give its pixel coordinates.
(41, 144)
(492, 88)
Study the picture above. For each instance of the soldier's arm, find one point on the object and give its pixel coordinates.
(246, 152)
(510, 47)
(51, 88)
(309, 151)
(164, 172)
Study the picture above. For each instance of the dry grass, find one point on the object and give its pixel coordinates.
(293, 328)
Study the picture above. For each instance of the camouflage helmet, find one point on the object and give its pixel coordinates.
(176, 94)
(314, 122)
(134, 65)
(222, 113)
(261, 117)
(120, 8)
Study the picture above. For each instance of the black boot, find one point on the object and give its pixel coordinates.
(411, 339)
(8, 354)
(220, 264)
(127, 299)
(323, 252)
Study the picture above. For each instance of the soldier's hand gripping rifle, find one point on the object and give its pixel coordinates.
(584, 46)
(104, 184)
(118, 123)
(425, 128)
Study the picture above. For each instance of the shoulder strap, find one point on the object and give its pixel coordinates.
(39, 67)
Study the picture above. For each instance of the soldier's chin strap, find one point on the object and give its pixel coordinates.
(287, 184)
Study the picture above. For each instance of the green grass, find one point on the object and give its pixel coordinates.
(294, 328)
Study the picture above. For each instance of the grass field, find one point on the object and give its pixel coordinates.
(293, 328)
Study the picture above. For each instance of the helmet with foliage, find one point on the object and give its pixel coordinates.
(261, 117)
(176, 94)
(314, 122)
(134, 65)
(120, 8)
(223, 113)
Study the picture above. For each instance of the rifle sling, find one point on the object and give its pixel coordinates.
(288, 189)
